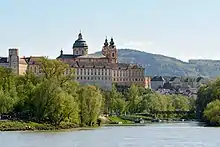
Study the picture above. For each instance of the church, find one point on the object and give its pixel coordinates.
(102, 70)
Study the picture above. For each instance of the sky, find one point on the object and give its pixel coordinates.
(184, 29)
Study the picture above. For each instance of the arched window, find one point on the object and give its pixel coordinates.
(113, 54)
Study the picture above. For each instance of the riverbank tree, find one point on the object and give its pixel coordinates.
(53, 97)
(207, 103)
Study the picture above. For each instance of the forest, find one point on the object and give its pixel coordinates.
(55, 98)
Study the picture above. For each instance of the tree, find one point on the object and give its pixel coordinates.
(212, 112)
(181, 103)
(206, 94)
(56, 70)
(90, 102)
(133, 98)
(8, 94)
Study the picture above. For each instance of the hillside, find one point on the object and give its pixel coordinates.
(167, 66)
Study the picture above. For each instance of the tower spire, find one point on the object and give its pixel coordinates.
(61, 51)
(80, 35)
(112, 42)
(106, 41)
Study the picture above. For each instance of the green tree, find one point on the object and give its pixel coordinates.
(90, 102)
(133, 98)
(212, 112)
(8, 93)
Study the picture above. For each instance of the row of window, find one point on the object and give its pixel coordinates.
(93, 78)
(126, 79)
(96, 72)
(92, 71)
(117, 73)
(108, 78)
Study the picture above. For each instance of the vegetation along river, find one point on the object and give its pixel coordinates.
(151, 135)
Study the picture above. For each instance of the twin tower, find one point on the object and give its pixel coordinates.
(80, 48)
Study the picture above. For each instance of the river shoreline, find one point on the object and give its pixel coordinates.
(33, 126)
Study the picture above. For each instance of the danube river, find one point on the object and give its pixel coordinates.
(152, 135)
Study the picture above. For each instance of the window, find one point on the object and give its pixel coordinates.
(35, 69)
(113, 55)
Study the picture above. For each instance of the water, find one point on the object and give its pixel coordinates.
(152, 135)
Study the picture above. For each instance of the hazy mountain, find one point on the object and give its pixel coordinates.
(167, 66)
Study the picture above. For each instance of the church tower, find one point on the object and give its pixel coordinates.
(109, 50)
(80, 46)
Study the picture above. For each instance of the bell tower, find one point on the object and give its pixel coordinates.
(109, 50)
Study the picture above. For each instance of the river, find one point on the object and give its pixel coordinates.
(152, 135)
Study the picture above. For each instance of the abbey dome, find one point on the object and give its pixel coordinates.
(80, 43)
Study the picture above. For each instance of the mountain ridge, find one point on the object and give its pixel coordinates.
(157, 64)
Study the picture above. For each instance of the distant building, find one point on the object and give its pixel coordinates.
(147, 82)
(157, 82)
(175, 82)
(18, 65)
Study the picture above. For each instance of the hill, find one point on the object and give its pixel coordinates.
(167, 66)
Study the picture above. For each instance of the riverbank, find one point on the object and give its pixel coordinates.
(33, 126)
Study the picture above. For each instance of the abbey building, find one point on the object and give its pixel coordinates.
(101, 70)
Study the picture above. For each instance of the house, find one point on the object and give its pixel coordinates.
(157, 82)
(176, 82)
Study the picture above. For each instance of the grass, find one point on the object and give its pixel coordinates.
(23, 126)
(116, 120)
(32, 126)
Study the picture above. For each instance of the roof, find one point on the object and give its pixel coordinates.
(173, 78)
(99, 64)
(71, 56)
(22, 61)
(157, 78)
(67, 56)
(92, 56)
(80, 43)
(3, 60)
(199, 79)
(32, 59)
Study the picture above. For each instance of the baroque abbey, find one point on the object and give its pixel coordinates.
(103, 70)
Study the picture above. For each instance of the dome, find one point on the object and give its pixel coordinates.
(80, 43)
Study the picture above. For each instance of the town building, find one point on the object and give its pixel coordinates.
(18, 65)
(157, 82)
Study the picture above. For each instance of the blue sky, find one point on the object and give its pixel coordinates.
(179, 28)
